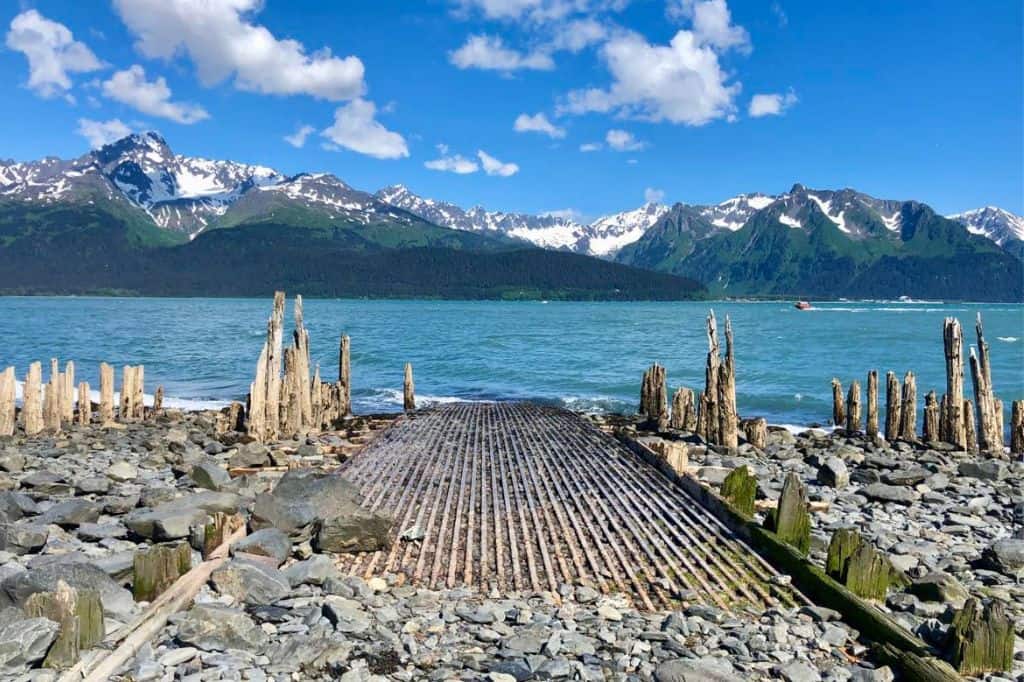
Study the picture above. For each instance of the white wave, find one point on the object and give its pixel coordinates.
(796, 429)
(1008, 339)
(189, 404)
(391, 396)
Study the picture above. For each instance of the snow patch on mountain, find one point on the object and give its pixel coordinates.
(997, 224)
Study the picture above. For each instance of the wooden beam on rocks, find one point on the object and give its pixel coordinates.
(893, 406)
(408, 390)
(84, 404)
(871, 423)
(8, 382)
(106, 394)
(853, 407)
(32, 400)
(952, 418)
(908, 408)
(838, 406)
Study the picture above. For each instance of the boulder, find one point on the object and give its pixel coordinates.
(117, 601)
(833, 473)
(92, 485)
(1005, 556)
(209, 474)
(122, 471)
(70, 514)
(986, 470)
(174, 519)
(939, 587)
(23, 641)
(695, 670)
(346, 615)
(23, 537)
(313, 571)
(251, 582)
(268, 542)
(250, 455)
(881, 492)
(212, 627)
(358, 531)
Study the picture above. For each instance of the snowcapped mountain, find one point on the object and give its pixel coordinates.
(603, 237)
(1000, 226)
(733, 213)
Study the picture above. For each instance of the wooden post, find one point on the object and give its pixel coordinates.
(52, 398)
(1017, 428)
(408, 390)
(7, 392)
(871, 424)
(291, 400)
(756, 431)
(79, 615)
(953, 416)
(139, 400)
(709, 404)
(702, 418)
(301, 339)
(892, 406)
(838, 407)
(984, 361)
(908, 408)
(988, 440)
(158, 401)
(981, 639)
(67, 403)
(84, 404)
(684, 413)
(157, 567)
(316, 399)
(931, 418)
(727, 435)
(345, 374)
(999, 421)
(791, 520)
(256, 409)
(106, 394)
(853, 407)
(32, 401)
(969, 433)
(275, 338)
(739, 489)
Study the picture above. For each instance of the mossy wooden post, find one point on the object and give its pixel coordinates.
(727, 434)
(853, 407)
(157, 567)
(756, 432)
(791, 520)
(871, 421)
(345, 374)
(1017, 428)
(709, 405)
(32, 401)
(52, 399)
(892, 406)
(838, 407)
(908, 408)
(931, 418)
(868, 573)
(106, 394)
(739, 489)
(84, 404)
(217, 529)
(841, 547)
(408, 390)
(7, 413)
(981, 639)
(158, 401)
(67, 400)
(970, 435)
(79, 616)
(953, 342)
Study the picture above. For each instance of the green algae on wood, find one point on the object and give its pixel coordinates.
(157, 568)
(790, 520)
(739, 489)
(79, 616)
(981, 639)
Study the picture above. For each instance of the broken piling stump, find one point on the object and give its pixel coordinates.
(67, 400)
(970, 437)
(981, 639)
(709, 399)
(908, 408)
(931, 418)
(32, 402)
(853, 407)
(684, 411)
(52, 397)
(856, 564)
(791, 520)
(158, 401)
(871, 422)
(7, 391)
(727, 433)
(952, 418)
(1017, 428)
(106, 394)
(345, 374)
(756, 432)
(892, 406)
(84, 404)
(739, 489)
(408, 390)
(156, 568)
(79, 615)
(838, 407)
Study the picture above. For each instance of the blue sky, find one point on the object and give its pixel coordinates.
(689, 100)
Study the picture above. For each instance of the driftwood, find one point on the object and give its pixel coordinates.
(908, 408)
(893, 406)
(853, 407)
(106, 394)
(408, 390)
(952, 424)
(32, 401)
(838, 407)
(871, 422)
(1017, 428)
(931, 418)
(84, 404)
(7, 391)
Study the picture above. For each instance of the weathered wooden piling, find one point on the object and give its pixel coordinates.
(739, 489)
(106, 394)
(79, 615)
(727, 417)
(1017, 428)
(654, 397)
(756, 432)
(790, 520)
(931, 418)
(302, 362)
(84, 404)
(908, 408)
(345, 374)
(155, 568)
(999, 421)
(953, 418)
(858, 565)
(970, 436)
(291, 401)
(990, 432)
(853, 407)
(32, 400)
(132, 394)
(264, 404)
(838, 406)
(981, 639)
(871, 422)
(8, 383)
(709, 399)
(684, 411)
(408, 390)
(893, 406)
(67, 401)
(316, 398)
(158, 401)
(52, 397)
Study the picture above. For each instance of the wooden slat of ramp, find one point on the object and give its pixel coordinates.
(516, 496)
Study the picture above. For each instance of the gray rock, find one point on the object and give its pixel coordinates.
(46, 482)
(210, 475)
(313, 571)
(798, 671)
(174, 519)
(71, 513)
(1005, 556)
(94, 532)
(122, 471)
(117, 601)
(939, 587)
(833, 473)
(12, 461)
(906, 477)
(23, 641)
(882, 492)
(92, 485)
(268, 542)
(251, 582)
(705, 669)
(212, 627)
(250, 455)
(986, 470)
(346, 615)
(23, 537)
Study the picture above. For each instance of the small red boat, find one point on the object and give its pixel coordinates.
(802, 305)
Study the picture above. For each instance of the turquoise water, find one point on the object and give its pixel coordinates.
(581, 355)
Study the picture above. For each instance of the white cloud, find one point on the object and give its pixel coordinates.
(452, 163)
(772, 104)
(681, 82)
(221, 40)
(494, 167)
(150, 97)
(579, 34)
(100, 133)
(623, 141)
(490, 53)
(298, 138)
(712, 23)
(590, 146)
(654, 196)
(355, 128)
(537, 11)
(52, 53)
(538, 123)
(780, 14)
